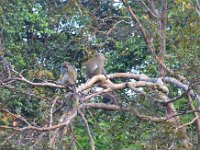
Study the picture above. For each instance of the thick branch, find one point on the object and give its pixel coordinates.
(108, 84)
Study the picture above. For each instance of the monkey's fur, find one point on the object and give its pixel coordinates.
(95, 66)
(68, 74)
(68, 78)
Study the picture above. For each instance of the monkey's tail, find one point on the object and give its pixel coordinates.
(79, 96)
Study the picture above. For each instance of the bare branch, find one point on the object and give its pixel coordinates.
(39, 84)
(71, 116)
(198, 7)
(16, 116)
(138, 84)
(151, 9)
(134, 17)
(183, 113)
(87, 130)
(114, 26)
(182, 86)
(95, 94)
(92, 81)
(125, 109)
(189, 123)
(51, 111)
(148, 39)
(108, 84)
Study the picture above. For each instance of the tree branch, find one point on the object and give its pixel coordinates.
(125, 109)
(87, 130)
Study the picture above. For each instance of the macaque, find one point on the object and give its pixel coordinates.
(6, 66)
(95, 66)
(68, 74)
(68, 78)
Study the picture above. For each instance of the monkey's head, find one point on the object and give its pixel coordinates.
(100, 56)
(64, 68)
(66, 64)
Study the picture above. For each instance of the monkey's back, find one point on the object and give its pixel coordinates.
(95, 66)
(72, 75)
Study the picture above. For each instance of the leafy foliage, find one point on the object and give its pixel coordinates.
(38, 35)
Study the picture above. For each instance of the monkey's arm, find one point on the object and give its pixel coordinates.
(63, 79)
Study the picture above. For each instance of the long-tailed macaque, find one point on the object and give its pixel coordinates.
(95, 66)
(68, 78)
(68, 74)
(6, 66)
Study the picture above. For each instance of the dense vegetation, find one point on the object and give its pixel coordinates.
(152, 50)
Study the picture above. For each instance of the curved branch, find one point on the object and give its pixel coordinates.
(154, 83)
(45, 84)
(182, 86)
(72, 115)
(138, 84)
(151, 8)
(125, 109)
(139, 24)
(88, 130)
(148, 40)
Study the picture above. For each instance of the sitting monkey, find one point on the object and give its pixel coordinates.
(95, 66)
(68, 74)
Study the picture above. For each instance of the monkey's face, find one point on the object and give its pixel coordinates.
(65, 68)
(65, 63)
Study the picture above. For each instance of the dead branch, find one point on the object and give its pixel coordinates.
(71, 115)
(183, 113)
(16, 116)
(182, 86)
(148, 39)
(87, 130)
(189, 123)
(95, 94)
(51, 111)
(125, 109)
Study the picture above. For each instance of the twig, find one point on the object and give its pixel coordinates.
(152, 11)
(16, 116)
(6, 140)
(183, 113)
(95, 94)
(189, 123)
(71, 115)
(38, 139)
(125, 109)
(51, 111)
(87, 130)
